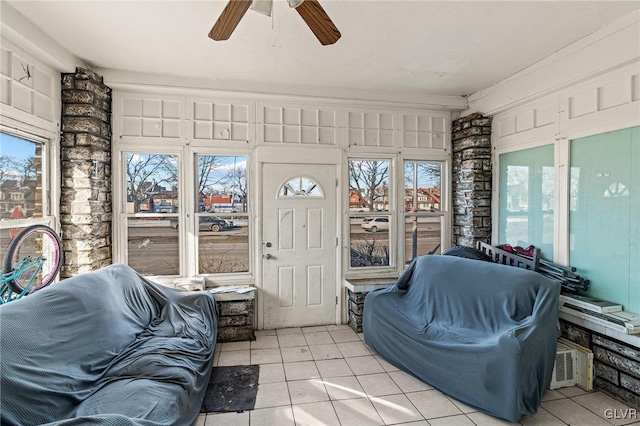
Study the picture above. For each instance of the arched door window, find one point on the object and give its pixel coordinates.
(301, 186)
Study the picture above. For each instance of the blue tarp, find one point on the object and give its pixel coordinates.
(109, 348)
(480, 332)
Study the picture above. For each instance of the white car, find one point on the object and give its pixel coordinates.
(375, 224)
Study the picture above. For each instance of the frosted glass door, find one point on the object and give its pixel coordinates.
(604, 220)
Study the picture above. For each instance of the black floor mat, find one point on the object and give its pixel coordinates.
(231, 388)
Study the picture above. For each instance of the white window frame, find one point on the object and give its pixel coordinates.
(192, 240)
(445, 203)
(396, 211)
(188, 253)
(50, 173)
(366, 271)
(121, 217)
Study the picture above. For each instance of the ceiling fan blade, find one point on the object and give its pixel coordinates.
(229, 19)
(319, 22)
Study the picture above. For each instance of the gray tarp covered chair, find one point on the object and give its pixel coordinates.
(480, 332)
(109, 348)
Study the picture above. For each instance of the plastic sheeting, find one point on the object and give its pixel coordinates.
(480, 332)
(109, 348)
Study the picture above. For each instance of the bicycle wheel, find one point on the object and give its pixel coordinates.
(42, 246)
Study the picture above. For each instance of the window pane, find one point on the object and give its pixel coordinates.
(604, 216)
(527, 199)
(153, 246)
(422, 236)
(152, 183)
(369, 238)
(301, 187)
(20, 178)
(369, 185)
(222, 184)
(422, 184)
(223, 244)
(223, 237)
(152, 187)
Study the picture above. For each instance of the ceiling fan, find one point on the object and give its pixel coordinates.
(310, 10)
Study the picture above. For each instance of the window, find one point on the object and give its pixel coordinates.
(152, 207)
(422, 204)
(23, 185)
(223, 219)
(301, 187)
(604, 215)
(527, 192)
(186, 218)
(21, 171)
(371, 212)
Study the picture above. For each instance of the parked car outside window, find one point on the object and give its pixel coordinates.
(208, 223)
(375, 224)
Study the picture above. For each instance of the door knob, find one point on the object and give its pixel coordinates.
(267, 244)
(268, 256)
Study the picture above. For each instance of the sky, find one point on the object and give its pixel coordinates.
(15, 147)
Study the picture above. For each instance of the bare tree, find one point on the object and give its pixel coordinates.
(146, 171)
(207, 176)
(368, 178)
(431, 174)
(9, 168)
(237, 179)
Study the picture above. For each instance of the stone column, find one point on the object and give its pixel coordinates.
(85, 205)
(471, 180)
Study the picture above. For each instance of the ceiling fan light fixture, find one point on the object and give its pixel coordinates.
(295, 3)
(262, 6)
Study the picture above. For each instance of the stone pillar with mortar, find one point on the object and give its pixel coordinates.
(85, 205)
(471, 180)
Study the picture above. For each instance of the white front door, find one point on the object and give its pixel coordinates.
(299, 245)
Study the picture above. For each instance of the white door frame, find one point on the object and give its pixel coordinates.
(294, 155)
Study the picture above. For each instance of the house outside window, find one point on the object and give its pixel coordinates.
(371, 213)
(223, 214)
(21, 169)
(24, 170)
(186, 218)
(423, 212)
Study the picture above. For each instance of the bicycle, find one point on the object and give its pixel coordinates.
(32, 261)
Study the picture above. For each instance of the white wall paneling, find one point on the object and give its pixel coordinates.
(426, 130)
(370, 127)
(221, 120)
(143, 116)
(298, 124)
(611, 99)
(535, 121)
(29, 90)
(597, 54)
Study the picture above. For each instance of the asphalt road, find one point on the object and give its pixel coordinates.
(155, 250)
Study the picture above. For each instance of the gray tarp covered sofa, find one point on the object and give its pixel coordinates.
(480, 332)
(106, 348)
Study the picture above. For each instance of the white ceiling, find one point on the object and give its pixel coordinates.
(426, 47)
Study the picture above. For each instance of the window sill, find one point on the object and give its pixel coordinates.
(241, 280)
(364, 285)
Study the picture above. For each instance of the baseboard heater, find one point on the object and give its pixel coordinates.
(605, 314)
(573, 366)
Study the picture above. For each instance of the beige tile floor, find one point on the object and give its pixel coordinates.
(327, 376)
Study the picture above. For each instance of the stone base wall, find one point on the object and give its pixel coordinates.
(616, 364)
(471, 180)
(85, 204)
(236, 313)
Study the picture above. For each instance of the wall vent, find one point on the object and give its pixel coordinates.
(565, 368)
(584, 370)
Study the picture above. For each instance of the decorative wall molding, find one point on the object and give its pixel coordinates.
(601, 52)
